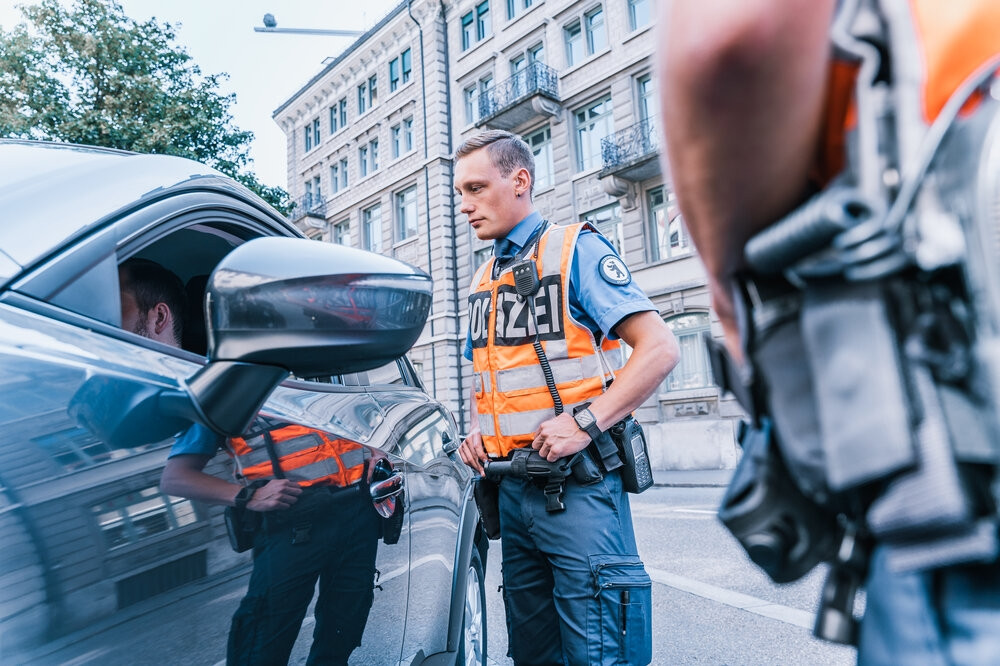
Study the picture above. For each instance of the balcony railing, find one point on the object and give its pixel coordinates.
(534, 80)
(630, 144)
(310, 205)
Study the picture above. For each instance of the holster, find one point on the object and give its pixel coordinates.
(487, 494)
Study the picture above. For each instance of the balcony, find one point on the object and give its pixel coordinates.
(531, 93)
(631, 154)
(311, 210)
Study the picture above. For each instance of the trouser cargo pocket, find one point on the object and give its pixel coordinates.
(619, 623)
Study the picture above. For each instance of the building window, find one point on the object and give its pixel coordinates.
(649, 104)
(666, 227)
(593, 123)
(308, 131)
(467, 31)
(693, 369)
(469, 101)
(396, 140)
(343, 173)
(406, 213)
(585, 37)
(608, 220)
(639, 15)
(371, 228)
(485, 106)
(541, 148)
(515, 7)
(343, 113)
(406, 65)
(399, 70)
(139, 515)
(307, 200)
(393, 74)
(334, 120)
(476, 25)
(481, 256)
(342, 232)
(573, 35)
(367, 94)
(597, 32)
(317, 192)
(334, 178)
(368, 158)
(407, 134)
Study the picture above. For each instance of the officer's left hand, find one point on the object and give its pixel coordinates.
(559, 437)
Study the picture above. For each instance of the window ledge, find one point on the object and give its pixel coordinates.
(683, 395)
(589, 59)
(635, 34)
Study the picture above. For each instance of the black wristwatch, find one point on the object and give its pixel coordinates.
(244, 496)
(586, 421)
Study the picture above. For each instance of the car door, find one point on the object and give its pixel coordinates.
(95, 556)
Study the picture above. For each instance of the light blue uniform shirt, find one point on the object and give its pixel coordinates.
(593, 301)
(198, 440)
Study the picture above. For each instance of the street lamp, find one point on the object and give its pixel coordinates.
(271, 25)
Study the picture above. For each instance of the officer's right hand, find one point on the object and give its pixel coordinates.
(278, 494)
(472, 451)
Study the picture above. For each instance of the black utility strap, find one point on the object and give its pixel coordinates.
(273, 455)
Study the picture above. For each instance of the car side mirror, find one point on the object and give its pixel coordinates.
(283, 305)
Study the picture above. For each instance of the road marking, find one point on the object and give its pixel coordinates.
(662, 510)
(786, 614)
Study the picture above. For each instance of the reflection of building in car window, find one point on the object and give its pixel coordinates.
(76, 448)
(130, 518)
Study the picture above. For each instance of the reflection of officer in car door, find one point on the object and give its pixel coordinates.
(318, 523)
(571, 577)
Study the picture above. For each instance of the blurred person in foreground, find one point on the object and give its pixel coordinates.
(828, 160)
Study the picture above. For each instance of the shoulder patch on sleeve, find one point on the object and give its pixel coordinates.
(614, 271)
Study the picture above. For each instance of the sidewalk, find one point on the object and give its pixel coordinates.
(692, 478)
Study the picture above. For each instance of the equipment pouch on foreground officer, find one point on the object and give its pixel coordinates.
(575, 589)
(868, 317)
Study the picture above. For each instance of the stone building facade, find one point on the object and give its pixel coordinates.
(370, 140)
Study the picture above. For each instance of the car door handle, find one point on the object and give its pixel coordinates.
(386, 488)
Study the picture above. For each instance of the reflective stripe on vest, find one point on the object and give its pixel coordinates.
(307, 456)
(512, 398)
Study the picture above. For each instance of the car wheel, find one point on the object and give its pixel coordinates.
(472, 650)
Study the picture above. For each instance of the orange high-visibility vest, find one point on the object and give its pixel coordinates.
(306, 455)
(512, 398)
(936, 45)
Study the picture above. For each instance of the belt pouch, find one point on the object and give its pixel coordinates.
(487, 494)
(860, 388)
(241, 527)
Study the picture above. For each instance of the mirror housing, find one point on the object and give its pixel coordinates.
(314, 309)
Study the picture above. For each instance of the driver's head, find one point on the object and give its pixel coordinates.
(152, 301)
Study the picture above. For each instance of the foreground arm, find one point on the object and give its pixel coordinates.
(183, 477)
(742, 85)
(654, 355)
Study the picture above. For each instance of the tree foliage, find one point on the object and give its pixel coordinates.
(89, 74)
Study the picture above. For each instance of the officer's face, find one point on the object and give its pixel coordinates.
(489, 199)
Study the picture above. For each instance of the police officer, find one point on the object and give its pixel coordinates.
(575, 589)
(750, 95)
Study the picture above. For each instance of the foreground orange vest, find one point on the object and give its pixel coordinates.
(936, 45)
(310, 457)
(512, 398)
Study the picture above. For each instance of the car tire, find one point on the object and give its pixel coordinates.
(472, 648)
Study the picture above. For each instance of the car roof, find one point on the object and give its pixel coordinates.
(51, 192)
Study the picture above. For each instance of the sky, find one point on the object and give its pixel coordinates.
(265, 69)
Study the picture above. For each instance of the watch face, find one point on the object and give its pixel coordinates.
(584, 418)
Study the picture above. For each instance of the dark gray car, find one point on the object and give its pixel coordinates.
(97, 564)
